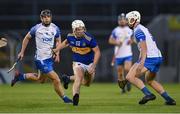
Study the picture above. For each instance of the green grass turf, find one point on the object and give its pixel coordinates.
(101, 97)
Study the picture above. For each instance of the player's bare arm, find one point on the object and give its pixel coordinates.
(57, 58)
(112, 41)
(131, 41)
(97, 55)
(61, 46)
(24, 45)
(142, 56)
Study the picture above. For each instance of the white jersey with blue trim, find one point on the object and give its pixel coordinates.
(122, 34)
(141, 33)
(44, 38)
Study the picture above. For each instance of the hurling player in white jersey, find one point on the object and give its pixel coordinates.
(121, 39)
(44, 34)
(149, 61)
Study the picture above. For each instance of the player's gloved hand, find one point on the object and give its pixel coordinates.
(92, 68)
(21, 55)
(140, 67)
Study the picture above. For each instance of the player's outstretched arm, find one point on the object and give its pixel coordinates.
(24, 45)
(61, 46)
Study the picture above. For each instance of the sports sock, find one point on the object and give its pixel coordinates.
(166, 96)
(146, 91)
(21, 77)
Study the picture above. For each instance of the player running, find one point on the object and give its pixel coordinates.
(121, 39)
(44, 34)
(86, 55)
(149, 61)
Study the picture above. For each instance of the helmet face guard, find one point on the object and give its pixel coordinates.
(46, 12)
(77, 24)
(133, 17)
(78, 28)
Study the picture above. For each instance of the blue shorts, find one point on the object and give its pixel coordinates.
(153, 64)
(120, 61)
(45, 66)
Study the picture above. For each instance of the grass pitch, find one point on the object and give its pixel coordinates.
(99, 98)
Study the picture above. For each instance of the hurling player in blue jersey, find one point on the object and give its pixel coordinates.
(44, 34)
(149, 61)
(86, 55)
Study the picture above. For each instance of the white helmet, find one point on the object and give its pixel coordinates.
(133, 15)
(77, 23)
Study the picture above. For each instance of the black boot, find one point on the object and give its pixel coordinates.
(76, 99)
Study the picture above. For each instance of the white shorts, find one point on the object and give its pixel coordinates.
(83, 66)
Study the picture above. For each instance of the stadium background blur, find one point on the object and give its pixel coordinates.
(100, 17)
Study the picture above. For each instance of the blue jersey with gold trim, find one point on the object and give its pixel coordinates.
(82, 48)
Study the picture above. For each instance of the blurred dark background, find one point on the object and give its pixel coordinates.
(100, 17)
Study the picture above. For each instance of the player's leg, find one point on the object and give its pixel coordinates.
(66, 80)
(113, 60)
(72, 78)
(78, 73)
(46, 67)
(36, 77)
(150, 76)
(132, 77)
(57, 86)
(88, 78)
(127, 66)
(43, 79)
(120, 71)
(27, 76)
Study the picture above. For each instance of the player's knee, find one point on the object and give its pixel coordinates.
(129, 78)
(149, 82)
(120, 70)
(120, 74)
(127, 69)
(78, 80)
(57, 81)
